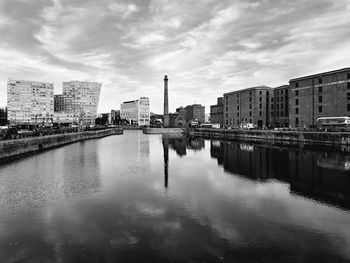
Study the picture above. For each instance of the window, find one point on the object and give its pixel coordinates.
(296, 110)
(250, 113)
(297, 85)
(348, 75)
(296, 121)
(320, 109)
(297, 93)
(267, 93)
(348, 107)
(260, 113)
(348, 95)
(260, 106)
(348, 85)
(237, 107)
(250, 106)
(237, 114)
(296, 101)
(320, 99)
(278, 114)
(260, 92)
(260, 99)
(278, 92)
(319, 89)
(319, 80)
(237, 96)
(226, 115)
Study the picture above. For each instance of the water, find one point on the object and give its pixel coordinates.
(140, 198)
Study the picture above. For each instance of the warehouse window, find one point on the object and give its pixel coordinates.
(297, 85)
(348, 95)
(296, 102)
(319, 109)
(348, 85)
(297, 93)
(319, 89)
(260, 113)
(319, 80)
(296, 110)
(320, 99)
(348, 107)
(296, 121)
(348, 75)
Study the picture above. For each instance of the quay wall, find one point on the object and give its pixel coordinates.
(163, 131)
(13, 148)
(280, 137)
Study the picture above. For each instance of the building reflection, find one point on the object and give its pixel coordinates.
(322, 176)
(181, 144)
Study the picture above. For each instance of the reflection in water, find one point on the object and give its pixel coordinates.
(104, 201)
(319, 175)
(181, 144)
(166, 160)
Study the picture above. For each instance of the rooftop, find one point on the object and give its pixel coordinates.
(321, 74)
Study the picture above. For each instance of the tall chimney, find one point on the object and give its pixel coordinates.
(166, 103)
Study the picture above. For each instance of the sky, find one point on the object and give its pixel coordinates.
(206, 47)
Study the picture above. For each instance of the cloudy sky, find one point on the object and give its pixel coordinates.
(207, 47)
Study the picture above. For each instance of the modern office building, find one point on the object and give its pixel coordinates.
(136, 112)
(251, 105)
(30, 102)
(59, 103)
(81, 98)
(320, 95)
(280, 106)
(217, 112)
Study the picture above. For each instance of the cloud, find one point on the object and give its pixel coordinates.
(206, 49)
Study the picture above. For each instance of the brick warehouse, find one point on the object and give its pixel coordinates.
(320, 95)
(280, 107)
(251, 105)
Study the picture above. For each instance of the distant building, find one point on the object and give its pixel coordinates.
(65, 118)
(251, 105)
(176, 120)
(182, 111)
(3, 116)
(81, 98)
(321, 95)
(59, 103)
(136, 112)
(195, 112)
(115, 117)
(156, 119)
(217, 112)
(29, 102)
(280, 106)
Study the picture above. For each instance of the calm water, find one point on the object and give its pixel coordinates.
(140, 198)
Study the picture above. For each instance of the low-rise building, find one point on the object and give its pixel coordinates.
(65, 118)
(217, 112)
(325, 94)
(251, 105)
(136, 112)
(176, 120)
(3, 116)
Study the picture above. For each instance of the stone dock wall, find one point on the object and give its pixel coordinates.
(279, 137)
(163, 131)
(13, 148)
